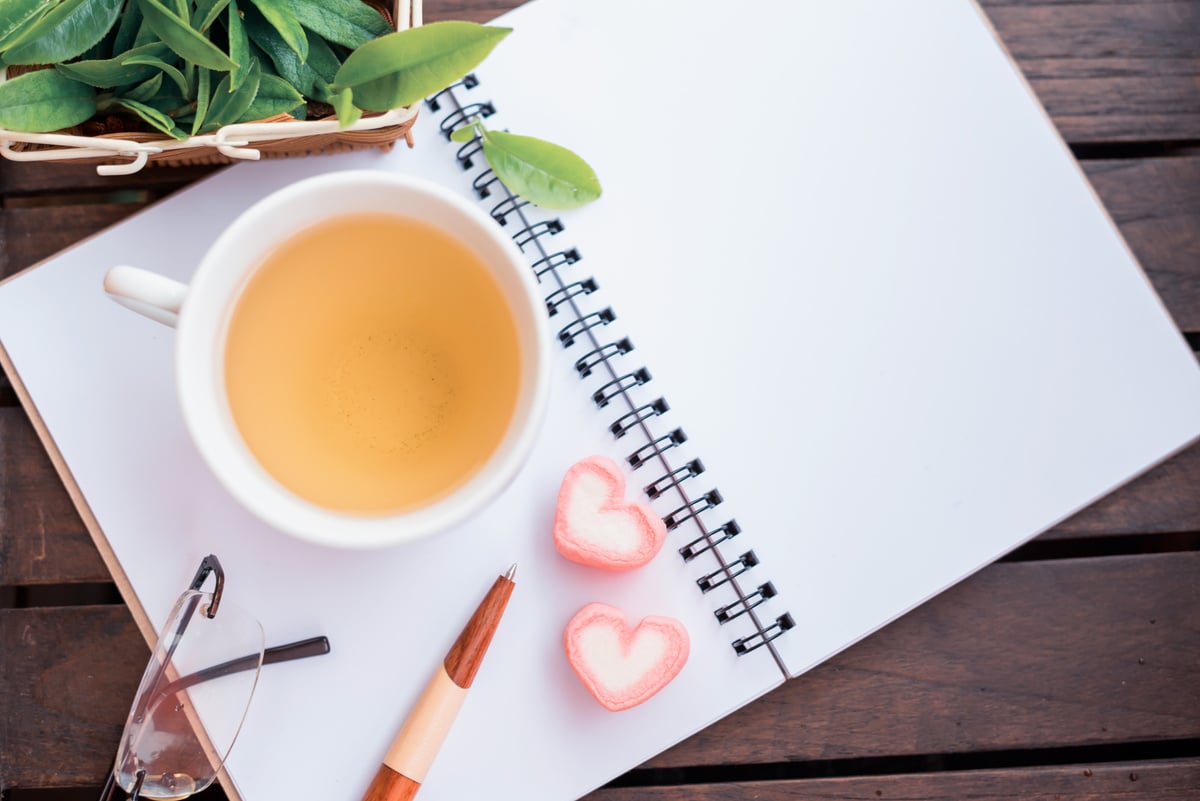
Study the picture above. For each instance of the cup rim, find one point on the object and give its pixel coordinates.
(199, 371)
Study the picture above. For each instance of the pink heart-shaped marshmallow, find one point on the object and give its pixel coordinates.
(622, 666)
(594, 524)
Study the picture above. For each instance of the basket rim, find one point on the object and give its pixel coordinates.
(235, 141)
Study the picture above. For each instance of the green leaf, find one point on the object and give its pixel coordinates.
(275, 96)
(206, 14)
(17, 16)
(145, 90)
(162, 95)
(352, 23)
(203, 94)
(127, 28)
(117, 71)
(347, 112)
(68, 30)
(322, 62)
(166, 69)
(239, 46)
(228, 106)
(154, 117)
(188, 43)
(403, 67)
(44, 100)
(145, 34)
(284, 21)
(543, 173)
(464, 134)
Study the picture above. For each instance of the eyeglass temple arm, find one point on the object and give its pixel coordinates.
(210, 564)
(302, 649)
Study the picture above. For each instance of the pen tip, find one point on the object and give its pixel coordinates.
(512, 571)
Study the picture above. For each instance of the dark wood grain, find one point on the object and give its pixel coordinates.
(69, 678)
(1107, 70)
(1024, 655)
(1156, 205)
(29, 178)
(42, 538)
(1021, 655)
(1165, 780)
(30, 234)
(1164, 500)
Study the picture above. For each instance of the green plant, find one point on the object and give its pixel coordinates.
(189, 67)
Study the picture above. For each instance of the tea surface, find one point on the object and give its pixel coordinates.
(371, 363)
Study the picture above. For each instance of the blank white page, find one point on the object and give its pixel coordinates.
(875, 288)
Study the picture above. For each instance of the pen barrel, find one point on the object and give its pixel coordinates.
(465, 656)
(388, 785)
(419, 739)
(426, 727)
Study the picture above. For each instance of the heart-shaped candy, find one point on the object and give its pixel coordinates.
(594, 524)
(622, 666)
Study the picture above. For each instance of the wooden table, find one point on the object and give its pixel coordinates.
(1070, 669)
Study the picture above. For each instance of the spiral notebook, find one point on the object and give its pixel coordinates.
(848, 313)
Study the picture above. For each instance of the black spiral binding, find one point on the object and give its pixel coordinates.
(602, 356)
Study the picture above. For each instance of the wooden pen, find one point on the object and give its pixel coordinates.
(413, 750)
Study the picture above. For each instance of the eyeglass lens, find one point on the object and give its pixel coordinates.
(200, 678)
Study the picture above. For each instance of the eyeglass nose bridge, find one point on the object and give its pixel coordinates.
(210, 564)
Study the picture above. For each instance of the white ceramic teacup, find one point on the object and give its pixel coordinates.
(200, 312)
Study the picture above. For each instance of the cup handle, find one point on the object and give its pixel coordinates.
(149, 294)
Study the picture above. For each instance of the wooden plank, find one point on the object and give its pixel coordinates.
(30, 234)
(42, 539)
(1023, 655)
(1158, 780)
(1107, 70)
(34, 178)
(70, 674)
(1162, 501)
(1156, 205)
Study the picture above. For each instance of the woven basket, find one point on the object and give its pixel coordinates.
(277, 137)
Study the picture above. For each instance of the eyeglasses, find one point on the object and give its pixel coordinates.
(194, 695)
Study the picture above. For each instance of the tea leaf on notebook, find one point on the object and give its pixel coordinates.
(542, 172)
(44, 101)
(405, 66)
(464, 134)
(187, 42)
(67, 31)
